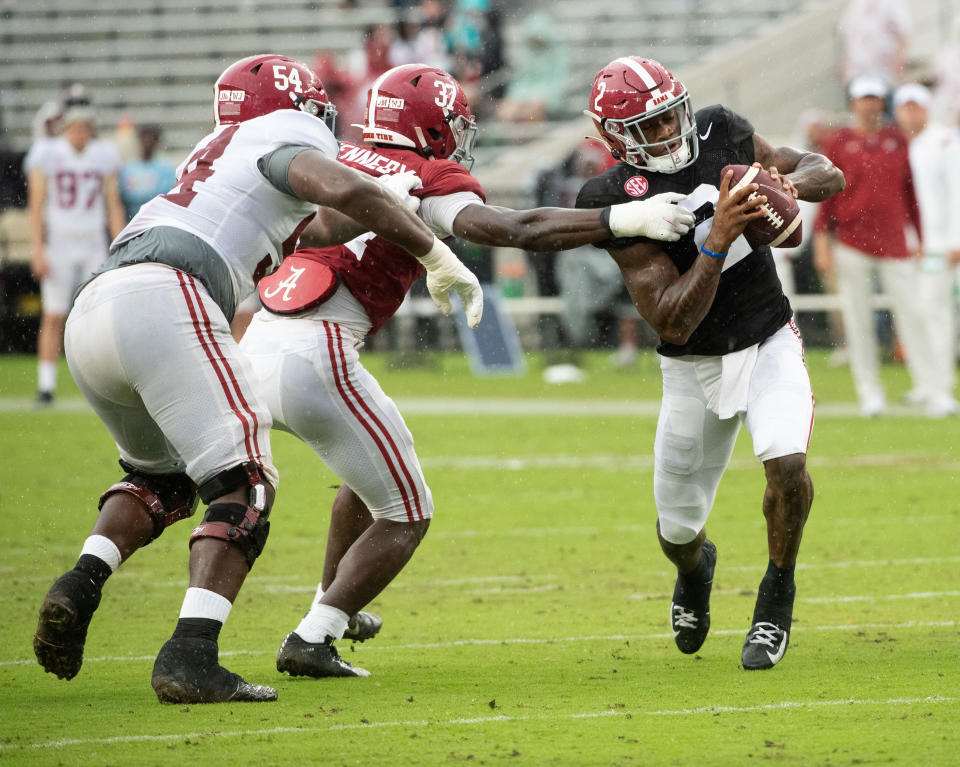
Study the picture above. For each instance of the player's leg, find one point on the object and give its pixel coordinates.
(208, 409)
(692, 450)
(780, 419)
(349, 518)
(133, 511)
(327, 398)
(56, 293)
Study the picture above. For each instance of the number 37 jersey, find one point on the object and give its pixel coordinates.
(222, 197)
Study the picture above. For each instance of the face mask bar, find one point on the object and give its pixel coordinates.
(638, 148)
(465, 132)
(321, 109)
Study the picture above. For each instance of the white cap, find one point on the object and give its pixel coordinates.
(868, 85)
(81, 113)
(914, 92)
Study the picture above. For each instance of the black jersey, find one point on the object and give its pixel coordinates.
(749, 305)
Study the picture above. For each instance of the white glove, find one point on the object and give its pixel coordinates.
(401, 184)
(659, 218)
(445, 272)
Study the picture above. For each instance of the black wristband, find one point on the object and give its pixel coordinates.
(605, 220)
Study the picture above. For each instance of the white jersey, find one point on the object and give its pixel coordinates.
(75, 207)
(934, 159)
(222, 197)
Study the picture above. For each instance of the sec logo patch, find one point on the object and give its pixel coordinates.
(636, 186)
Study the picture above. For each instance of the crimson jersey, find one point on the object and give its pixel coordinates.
(377, 272)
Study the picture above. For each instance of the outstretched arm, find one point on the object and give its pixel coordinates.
(315, 178)
(809, 175)
(550, 229)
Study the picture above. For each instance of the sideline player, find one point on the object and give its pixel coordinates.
(148, 342)
(323, 302)
(73, 200)
(730, 352)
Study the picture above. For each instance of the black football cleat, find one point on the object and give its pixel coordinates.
(690, 612)
(320, 660)
(44, 398)
(765, 646)
(64, 618)
(187, 671)
(363, 626)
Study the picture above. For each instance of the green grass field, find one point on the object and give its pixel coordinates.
(531, 626)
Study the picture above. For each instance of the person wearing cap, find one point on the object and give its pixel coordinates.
(73, 201)
(860, 233)
(934, 156)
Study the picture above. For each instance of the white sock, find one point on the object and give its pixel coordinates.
(200, 603)
(318, 596)
(46, 376)
(322, 621)
(102, 548)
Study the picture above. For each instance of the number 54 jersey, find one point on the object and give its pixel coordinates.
(222, 197)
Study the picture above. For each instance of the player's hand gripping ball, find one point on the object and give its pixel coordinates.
(781, 225)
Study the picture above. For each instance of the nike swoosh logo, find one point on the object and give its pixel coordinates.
(775, 657)
(706, 134)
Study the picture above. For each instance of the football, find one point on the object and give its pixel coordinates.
(781, 225)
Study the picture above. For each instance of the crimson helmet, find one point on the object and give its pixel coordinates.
(628, 92)
(258, 85)
(421, 108)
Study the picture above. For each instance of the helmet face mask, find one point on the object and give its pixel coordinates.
(643, 113)
(419, 107)
(464, 131)
(258, 85)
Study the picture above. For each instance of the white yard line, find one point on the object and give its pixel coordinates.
(481, 720)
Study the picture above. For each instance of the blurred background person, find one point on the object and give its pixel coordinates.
(874, 38)
(812, 126)
(860, 234)
(74, 204)
(148, 175)
(536, 89)
(934, 159)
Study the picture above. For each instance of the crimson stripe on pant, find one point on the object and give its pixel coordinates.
(338, 360)
(813, 400)
(228, 382)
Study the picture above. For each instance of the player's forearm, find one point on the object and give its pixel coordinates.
(315, 178)
(378, 211)
(816, 178)
(330, 227)
(550, 229)
(685, 302)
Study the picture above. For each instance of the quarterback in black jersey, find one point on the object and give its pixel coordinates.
(730, 353)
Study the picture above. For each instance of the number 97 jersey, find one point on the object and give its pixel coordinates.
(222, 197)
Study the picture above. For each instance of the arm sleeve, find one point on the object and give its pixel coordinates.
(440, 211)
(275, 165)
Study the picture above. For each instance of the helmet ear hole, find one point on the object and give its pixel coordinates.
(434, 134)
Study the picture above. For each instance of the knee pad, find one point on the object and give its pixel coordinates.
(168, 497)
(245, 526)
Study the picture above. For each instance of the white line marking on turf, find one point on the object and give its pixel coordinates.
(626, 713)
(531, 641)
